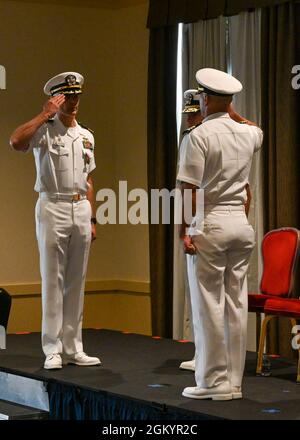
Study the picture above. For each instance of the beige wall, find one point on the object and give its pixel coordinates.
(131, 64)
(110, 48)
(127, 311)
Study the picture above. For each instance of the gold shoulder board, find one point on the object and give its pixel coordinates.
(87, 128)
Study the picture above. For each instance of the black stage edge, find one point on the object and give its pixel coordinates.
(139, 379)
(12, 411)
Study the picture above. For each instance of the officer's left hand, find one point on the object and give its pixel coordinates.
(93, 232)
(188, 246)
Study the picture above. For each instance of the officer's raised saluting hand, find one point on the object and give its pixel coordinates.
(22, 135)
(53, 104)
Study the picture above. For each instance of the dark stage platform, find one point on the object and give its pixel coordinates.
(139, 379)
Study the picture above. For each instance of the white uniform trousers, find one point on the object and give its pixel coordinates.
(188, 315)
(63, 231)
(218, 283)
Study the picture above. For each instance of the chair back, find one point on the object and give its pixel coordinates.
(5, 304)
(279, 251)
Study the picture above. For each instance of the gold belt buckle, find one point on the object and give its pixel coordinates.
(76, 197)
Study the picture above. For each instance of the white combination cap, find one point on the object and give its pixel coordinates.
(216, 82)
(67, 83)
(191, 101)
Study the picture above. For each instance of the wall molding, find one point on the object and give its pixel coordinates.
(34, 289)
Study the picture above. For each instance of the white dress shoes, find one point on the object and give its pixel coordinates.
(53, 362)
(237, 392)
(81, 359)
(222, 391)
(188, 365)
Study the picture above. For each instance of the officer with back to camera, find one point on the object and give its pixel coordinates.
(217, 159)
(65, 215)
(194, 118)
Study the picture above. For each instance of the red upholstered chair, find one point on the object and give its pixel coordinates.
(279, 253)
(283, 307)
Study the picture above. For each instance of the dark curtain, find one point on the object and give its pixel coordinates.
(280, 115)
(170, 12)
(281, 168)
(162, 151)
(67, 402)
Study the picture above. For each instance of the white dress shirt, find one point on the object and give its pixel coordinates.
(217, 157)
(64, 157)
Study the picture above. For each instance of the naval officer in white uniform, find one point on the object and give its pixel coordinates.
(217, 158)
(65, 215)
(192, 108)
(193, 118)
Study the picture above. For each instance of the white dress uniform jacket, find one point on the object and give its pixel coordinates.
(64, 158)
(217, 158)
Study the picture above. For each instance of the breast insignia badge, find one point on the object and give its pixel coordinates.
(87, 144)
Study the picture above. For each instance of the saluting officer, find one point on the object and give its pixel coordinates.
(65, 215)
(217, 158)
(192, 108)
(193, 118)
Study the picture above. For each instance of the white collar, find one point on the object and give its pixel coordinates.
(216, 115)
(74, 130)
